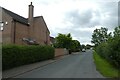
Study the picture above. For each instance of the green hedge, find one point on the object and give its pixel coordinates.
(14, 55)
(110, 51)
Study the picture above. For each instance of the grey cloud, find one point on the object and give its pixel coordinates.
(110, 23)
(87, 18)
(90, 18)
(79, 33)
(119, 13)
(110, 9)
(96, 18)
(82, 36)
(79, 18)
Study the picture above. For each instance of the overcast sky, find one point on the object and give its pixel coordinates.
(78, 17)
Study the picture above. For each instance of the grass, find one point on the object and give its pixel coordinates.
(105, 68)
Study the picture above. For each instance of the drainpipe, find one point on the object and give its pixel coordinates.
(14, 32)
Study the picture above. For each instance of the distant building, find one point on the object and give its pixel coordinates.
(16, 29)
(52, 40)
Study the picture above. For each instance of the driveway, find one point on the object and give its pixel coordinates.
(76, 65)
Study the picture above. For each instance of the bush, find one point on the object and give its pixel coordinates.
(115, 51)
(103, 50)
(14, 55)
(110, 50)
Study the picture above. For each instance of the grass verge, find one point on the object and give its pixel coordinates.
(104, 67)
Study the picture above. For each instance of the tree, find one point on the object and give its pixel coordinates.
(100, 35)
(63, 41)
(117, 32)
(83, 46)
(88, 46)
(75, 46)
(110, 49)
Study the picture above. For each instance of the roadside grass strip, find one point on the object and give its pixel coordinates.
(105, 68)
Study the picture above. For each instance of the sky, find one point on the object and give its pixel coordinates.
(78, 17)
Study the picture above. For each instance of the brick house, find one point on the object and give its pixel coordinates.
(16, 29)
(52, 40)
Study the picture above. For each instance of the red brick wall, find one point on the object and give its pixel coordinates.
(6, 33)
(40, 31)
(60, 52)
(21, 32)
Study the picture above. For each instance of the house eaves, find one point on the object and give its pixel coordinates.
(17, 17)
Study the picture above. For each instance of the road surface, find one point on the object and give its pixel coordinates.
(77, 65)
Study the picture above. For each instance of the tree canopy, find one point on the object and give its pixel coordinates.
(117, 32)
(75, 45)
(65, 41)
(100, 35)
(108, 46)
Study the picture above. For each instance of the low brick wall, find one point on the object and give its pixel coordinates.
(60, 52)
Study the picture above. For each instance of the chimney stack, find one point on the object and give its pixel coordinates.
(30, 20)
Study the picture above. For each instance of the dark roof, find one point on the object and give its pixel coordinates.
(16, 17)
(52, 39)
(38, 16)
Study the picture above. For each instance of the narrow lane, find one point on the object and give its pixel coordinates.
(77, 65)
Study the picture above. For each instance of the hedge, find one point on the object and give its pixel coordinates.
(110, 51)
(14, 55)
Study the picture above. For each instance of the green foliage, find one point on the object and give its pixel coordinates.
(114, 50)
(103, 51)
(75, 46)
(88, 46)
(100, 35)
(14, 55)
(117, 32)
(110, 50)
(83, 46)
(65, 41)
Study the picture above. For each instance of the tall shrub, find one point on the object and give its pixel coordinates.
(110, 51)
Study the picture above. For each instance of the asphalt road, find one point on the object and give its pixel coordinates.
(77, 65)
